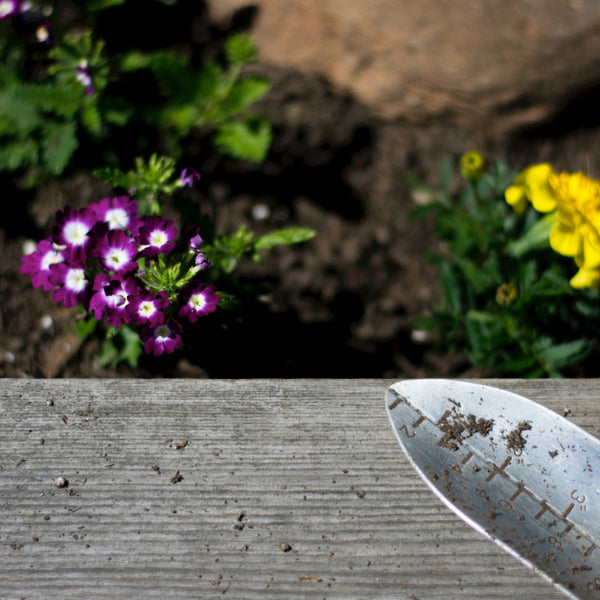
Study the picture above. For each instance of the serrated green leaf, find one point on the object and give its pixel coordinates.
(240, 48)
(227, 301)
(17, 154)
(114, 177)
(245, 92)
(17, 116)
(246, 140)
(62, 100)
(284, 237)
(60, 141)
(90, 117)
(183, 118)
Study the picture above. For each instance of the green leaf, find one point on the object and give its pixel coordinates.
(482, 316)
(451, 288)
(86, 327)
(534, 238)
(246, 140)
(551, 283)
(240, 48)
(284, 237)
(562, 355)
(227, 301)
(62, 100)
(90, 117)
(21, 153)
(122, 345)
(114, 177)
(59, 144)
(17, 116)
(522, 365)
(245, 92)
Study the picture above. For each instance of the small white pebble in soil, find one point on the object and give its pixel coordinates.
(261, 212)
(28, 246)
(46, 322)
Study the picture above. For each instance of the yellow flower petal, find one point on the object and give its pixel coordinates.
(538, 188)
(565, 241)
(586, 278)
(591, 253)
(516, 197)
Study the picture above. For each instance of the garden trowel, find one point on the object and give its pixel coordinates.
(517, 472)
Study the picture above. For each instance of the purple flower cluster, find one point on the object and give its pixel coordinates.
(101, 255)
(12, 8)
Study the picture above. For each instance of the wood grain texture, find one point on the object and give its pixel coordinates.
(242, 489)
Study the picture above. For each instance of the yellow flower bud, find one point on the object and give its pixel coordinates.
(506, 294)
(472, 165)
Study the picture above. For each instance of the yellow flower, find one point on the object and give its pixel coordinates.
(472, 165)
(532, 185)
(586, 278)
(577, 232)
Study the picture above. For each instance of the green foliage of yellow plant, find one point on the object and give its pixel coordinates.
(520, 269)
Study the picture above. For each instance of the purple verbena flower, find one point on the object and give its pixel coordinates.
(37, 264)
(189, 177)
(71, 281)
(156, 236)
(82, 74)
(147, 308)
(195, 242)
(192, 236)
(71, 230)
(111, 298)
(198, 301)
(118, 212)
(202, 262)
(115, 251)
(10, 8)
(161, 338)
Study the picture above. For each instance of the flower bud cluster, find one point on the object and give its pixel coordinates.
(124, 269)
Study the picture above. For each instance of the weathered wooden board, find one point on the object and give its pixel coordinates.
(236, 489)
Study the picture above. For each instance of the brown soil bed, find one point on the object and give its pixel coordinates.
(341, 305)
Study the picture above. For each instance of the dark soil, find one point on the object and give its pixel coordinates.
(341, 305)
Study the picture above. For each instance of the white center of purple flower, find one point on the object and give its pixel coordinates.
(197, 302)
(51, 257)
(158, 238)
(116, 258)
(6, 8)
(147, 308)
(75, 280)
(117, 218)
(75, 233)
